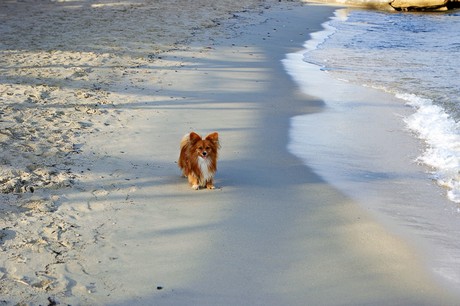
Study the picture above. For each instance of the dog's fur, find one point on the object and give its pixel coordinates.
(198, 159)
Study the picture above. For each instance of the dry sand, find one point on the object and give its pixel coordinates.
(94, 98)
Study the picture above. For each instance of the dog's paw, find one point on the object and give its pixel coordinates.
(195, 187)
(210, 187)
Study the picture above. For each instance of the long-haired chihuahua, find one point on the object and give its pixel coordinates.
(198, 159)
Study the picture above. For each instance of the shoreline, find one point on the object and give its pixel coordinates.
(368, 152)
(130, 231)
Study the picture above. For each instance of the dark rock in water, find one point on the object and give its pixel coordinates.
(420, 5)
(400, 5)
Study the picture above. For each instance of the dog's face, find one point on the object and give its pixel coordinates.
(205, 148)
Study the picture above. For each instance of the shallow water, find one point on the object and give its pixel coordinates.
(379, 96)
(413, 56)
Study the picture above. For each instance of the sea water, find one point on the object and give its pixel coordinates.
(414, 58)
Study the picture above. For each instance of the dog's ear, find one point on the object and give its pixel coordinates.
(214, 137)
(194, 137)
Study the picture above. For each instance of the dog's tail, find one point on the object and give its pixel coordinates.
(185, 140)
(184, 147)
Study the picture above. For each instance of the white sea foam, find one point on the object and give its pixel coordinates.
(441, 134)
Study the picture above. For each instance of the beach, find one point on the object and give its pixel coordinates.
(95, 97)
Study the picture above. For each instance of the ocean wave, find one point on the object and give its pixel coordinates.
(441, 134)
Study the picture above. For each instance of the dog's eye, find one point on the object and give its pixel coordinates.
(200, 148)
(207, 148)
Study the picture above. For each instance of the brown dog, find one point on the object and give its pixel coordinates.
(198, 159)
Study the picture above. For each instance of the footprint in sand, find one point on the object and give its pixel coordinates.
(100, 193)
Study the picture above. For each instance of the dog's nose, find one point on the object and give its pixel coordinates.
(204, 153)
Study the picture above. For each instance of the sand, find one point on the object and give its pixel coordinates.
(95, 97)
